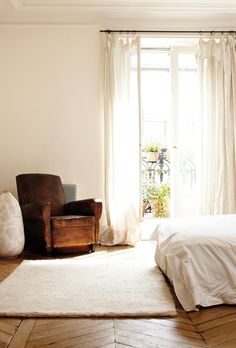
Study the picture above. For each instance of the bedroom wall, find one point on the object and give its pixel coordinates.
(49, 110)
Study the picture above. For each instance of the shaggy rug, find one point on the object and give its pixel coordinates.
(125, 282)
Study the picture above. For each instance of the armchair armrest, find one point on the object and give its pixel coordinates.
(89, 207)
(36, 211)
(36, 217)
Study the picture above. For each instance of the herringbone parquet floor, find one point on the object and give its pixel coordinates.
(211, 327)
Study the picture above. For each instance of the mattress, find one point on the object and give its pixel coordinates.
(198, 255)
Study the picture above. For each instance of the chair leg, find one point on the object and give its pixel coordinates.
(91, 247)
(48, 251)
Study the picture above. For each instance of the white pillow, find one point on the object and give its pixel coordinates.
(12, 237)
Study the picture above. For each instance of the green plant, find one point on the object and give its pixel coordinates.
(158, 197)
(152, 147)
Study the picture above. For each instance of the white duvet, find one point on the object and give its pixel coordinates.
(198, 255)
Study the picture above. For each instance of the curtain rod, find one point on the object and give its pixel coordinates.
(169, 31)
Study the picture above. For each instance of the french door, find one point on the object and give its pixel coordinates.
(184, 132)
(169, 119)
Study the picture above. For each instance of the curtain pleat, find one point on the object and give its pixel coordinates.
(121, 143)
(217, 81)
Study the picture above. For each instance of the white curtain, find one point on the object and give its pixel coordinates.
(217, 73)
(122, 196)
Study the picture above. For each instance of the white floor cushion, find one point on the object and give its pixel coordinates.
(11, 226)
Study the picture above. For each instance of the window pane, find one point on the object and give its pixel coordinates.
(155, 87)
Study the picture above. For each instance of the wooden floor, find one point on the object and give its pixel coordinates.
(212, 327)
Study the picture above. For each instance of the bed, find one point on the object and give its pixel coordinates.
(198, 255)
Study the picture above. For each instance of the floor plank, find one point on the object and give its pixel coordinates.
(21, 336)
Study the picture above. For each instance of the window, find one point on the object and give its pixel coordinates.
(168, 79)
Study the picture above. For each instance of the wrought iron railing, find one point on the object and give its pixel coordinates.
(155, 173)
(158, 171)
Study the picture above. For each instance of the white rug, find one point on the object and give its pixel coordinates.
(125, 282)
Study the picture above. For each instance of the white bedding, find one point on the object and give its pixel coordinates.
(198, 255)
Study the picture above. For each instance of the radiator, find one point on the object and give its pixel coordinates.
(70, 191)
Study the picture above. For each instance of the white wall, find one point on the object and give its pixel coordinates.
(49, 105)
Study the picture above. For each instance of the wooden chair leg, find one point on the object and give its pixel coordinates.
(91, 247)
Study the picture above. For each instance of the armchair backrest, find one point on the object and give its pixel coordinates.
(35, 188)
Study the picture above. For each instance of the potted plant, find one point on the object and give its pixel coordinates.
(151, 152)
(158, 197)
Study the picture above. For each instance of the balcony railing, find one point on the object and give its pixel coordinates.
(156, 173)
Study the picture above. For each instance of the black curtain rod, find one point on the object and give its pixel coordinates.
(169, 31)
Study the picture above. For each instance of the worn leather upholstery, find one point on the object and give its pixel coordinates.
(49, 223)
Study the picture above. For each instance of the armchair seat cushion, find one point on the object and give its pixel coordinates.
(69, 230)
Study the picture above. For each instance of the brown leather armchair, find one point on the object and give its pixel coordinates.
(52, 225)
